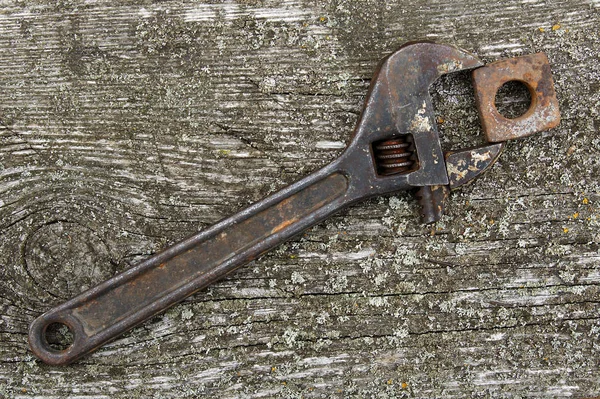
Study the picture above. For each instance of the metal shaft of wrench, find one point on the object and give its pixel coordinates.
(395, 147)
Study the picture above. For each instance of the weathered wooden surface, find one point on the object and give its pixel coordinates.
(124, 128)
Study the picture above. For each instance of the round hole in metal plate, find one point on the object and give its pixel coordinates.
(513, 99)
(59, 336)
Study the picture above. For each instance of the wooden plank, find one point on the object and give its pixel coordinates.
(124, 128)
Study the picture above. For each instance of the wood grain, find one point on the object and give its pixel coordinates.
(126, 127)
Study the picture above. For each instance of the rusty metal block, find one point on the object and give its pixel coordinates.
(534, 72)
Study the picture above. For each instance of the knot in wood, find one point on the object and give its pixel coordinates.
(65, 258)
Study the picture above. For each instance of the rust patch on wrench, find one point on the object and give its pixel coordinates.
(534, 72)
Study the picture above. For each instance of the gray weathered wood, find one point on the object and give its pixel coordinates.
(124, 128)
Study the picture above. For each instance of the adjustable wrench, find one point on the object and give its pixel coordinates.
(395, 147)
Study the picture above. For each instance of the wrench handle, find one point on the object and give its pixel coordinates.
(104, 312)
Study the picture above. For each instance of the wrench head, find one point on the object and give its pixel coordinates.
(399, 106)
(396, 144)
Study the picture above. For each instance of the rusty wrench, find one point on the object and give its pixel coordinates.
(395, 147)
